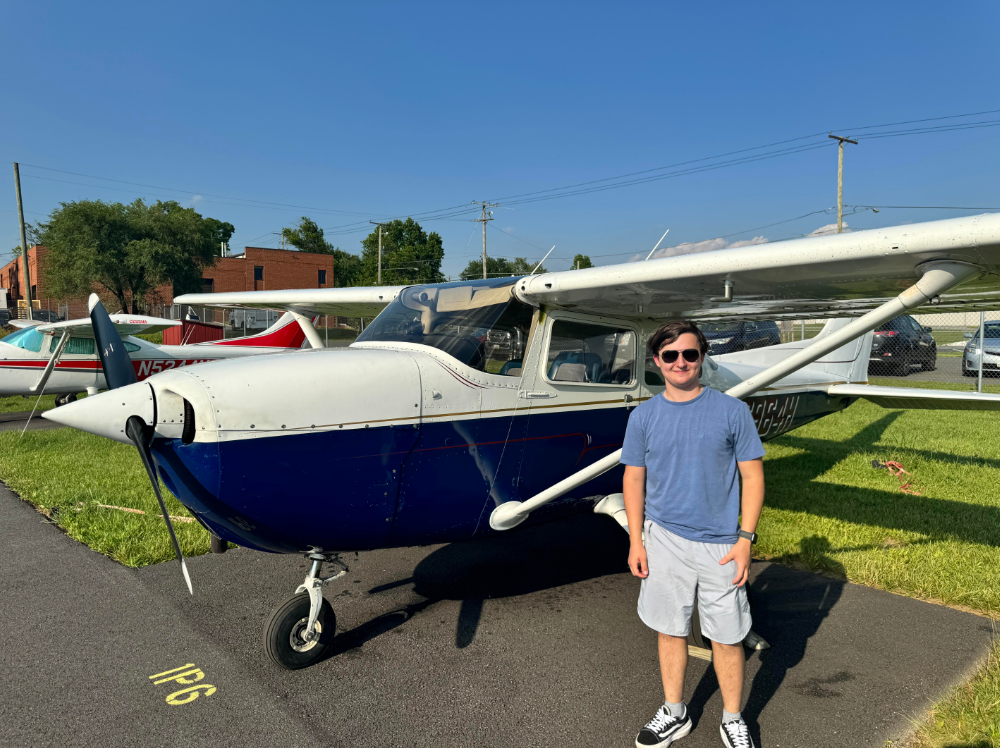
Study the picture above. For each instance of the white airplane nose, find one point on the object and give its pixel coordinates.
(105, 414)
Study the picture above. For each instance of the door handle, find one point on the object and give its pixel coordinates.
(535, 394)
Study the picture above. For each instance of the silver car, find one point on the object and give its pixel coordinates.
(973, 352)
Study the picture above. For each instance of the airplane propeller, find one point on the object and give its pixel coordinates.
(118, 372)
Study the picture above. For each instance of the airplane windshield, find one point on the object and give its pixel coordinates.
(28, 338)
(478, 322)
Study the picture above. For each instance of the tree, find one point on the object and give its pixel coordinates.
(31, 234)
(409, 255)
(308, 237)
(129, 249)
(499, 266)
(582, 261)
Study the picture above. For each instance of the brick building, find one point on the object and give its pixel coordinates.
(256, 269)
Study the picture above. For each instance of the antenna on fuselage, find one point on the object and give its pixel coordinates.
(657, 244)
(542, 260)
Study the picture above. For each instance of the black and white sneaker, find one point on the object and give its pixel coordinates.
(663, 729)
(735, 734)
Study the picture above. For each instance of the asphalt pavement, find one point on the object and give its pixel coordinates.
(525, 639)
(16, 421)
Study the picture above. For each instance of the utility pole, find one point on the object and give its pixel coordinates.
(24, 240)
(379, 251)
(840, 180)
(484, 221)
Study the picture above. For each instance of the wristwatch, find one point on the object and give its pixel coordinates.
(751, 536)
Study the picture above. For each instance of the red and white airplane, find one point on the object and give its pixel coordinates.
(61, 357)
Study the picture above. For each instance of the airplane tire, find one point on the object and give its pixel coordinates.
(282, 637)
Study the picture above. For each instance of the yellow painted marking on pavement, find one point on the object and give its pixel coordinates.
(185, 674)
(192, 694)
(168, 672)
(182, 677)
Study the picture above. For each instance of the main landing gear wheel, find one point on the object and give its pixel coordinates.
(285, 637)
(301, 629)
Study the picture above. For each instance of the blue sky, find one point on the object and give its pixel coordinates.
(370, 110)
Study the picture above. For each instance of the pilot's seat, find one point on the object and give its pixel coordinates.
(576, 366)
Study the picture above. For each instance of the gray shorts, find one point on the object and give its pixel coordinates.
(679, 569)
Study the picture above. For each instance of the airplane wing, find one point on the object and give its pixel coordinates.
(125, 324)
(346, 302)
(837, 275)
(912, 398)
(20, 324)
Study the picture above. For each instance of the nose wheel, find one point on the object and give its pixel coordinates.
(301, 629)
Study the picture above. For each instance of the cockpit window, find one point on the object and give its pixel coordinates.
(480, 323)
(29, 339)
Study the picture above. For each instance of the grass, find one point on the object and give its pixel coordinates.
(66, 473)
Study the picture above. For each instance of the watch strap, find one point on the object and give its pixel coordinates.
(751, 536)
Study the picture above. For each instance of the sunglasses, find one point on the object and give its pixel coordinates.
(690, 355)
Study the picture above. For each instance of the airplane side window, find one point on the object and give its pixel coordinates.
(590, 354)
(131, 347)
(78, 346)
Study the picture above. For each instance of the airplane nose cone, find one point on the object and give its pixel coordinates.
(105, 414)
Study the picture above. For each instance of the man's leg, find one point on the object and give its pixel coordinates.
(673, 663)
(728, 660)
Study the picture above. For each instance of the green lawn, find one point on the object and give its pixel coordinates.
(67, 473)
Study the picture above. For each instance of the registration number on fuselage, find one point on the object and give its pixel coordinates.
(149, 367)
(774, 414)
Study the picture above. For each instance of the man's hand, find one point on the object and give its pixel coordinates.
(637, 560)
(740, 553)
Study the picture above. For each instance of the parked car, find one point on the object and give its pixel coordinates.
(991, 359)
(730, 337)
(901, 344)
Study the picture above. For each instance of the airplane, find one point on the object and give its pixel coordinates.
(433, 439)
(61, 357)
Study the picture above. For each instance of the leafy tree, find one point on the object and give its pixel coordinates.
(129, 249)
(409, 255)
(308, 237)
(582, 261)
(499, 266)
(31, 234)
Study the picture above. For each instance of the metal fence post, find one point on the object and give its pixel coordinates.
(982, 349)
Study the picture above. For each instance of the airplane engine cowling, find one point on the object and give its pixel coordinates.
(291, 450)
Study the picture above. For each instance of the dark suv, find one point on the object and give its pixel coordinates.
(901, 344)
(730, 337)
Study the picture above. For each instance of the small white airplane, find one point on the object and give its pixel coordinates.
(464, 408)
(62, 358)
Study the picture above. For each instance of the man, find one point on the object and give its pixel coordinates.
(681, 454)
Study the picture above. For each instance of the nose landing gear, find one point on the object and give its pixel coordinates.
(301, 629)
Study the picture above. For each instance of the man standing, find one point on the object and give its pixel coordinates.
(682, 452)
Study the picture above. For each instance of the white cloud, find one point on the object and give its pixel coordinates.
(196, 201)
(508, 229)
(709, 245)
(830, 228)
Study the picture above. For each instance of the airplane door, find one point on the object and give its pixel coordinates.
(584, 387)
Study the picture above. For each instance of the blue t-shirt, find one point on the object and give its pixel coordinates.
(690, 451)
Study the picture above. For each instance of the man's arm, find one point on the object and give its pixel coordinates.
(751, 503)
(634, 488)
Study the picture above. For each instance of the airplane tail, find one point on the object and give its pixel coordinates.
(285, 333)
(849, 363)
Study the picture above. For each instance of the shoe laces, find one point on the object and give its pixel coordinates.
(739, 734)
(662, 720)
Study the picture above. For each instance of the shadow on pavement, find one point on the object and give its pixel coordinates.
(789, 607)
(525, 560)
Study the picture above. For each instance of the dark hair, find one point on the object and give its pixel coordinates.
(668, 332)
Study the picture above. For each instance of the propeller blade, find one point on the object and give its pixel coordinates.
(118, 370)
(136, 430)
